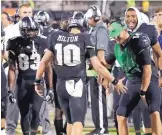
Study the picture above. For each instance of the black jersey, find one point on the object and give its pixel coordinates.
(27, 54)
(151, 32)
(70, 53)
(134, 55)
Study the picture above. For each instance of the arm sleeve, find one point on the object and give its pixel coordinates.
(102, 39)
(51, 42)
(142, 50)
(110, 59)
(144, 57)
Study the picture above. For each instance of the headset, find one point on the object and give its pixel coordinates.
(8, 16)
(95, 14)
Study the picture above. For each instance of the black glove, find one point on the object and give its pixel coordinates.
(2, 105)
(11, 97)
(50, 95)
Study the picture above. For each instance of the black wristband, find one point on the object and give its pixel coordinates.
(142, 93)
(37, 81)
(115, 81)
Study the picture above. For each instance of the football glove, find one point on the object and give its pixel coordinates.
(11, 97)
(50, 95)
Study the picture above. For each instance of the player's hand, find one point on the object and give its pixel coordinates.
(39, 90)
(99, 79)
(11, 97)
(120, 87)
(105, 84)
(144, 99)
(160, 82)
(50, 95)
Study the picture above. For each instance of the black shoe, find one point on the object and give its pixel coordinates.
(92, 132)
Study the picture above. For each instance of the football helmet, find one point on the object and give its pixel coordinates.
(42, 18)
(78, 20)
(29, 28)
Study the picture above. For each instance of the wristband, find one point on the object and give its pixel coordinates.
(142, 93)
(115, 81)
(37, 81)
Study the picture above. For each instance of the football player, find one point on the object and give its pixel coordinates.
(13, 111)
(132, 51)
(58, 120)
(43, 19)
(26, 52)
(135, 23)
(69, 51)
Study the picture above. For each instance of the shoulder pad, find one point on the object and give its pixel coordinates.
(14, 38)
(42, 36)
(136, 35)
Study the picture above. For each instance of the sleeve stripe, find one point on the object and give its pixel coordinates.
(90, 47)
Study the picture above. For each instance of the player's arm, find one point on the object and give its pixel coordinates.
(11, 76)
(40, 71)
(12, 63)
(101, 70)
(101, 57)
(158, 53)
(49, 72)
(156, 47)
(102, 43)
(12, 71)
(46, 60)
(143, 58)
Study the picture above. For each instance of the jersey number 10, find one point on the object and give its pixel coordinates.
(68, 55)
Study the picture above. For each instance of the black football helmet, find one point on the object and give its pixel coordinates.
(29, 28)
(42, 18)
(78, 20)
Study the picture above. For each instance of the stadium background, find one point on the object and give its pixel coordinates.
(108, 8)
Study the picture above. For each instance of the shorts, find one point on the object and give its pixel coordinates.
(73, 99)
(130, 99)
